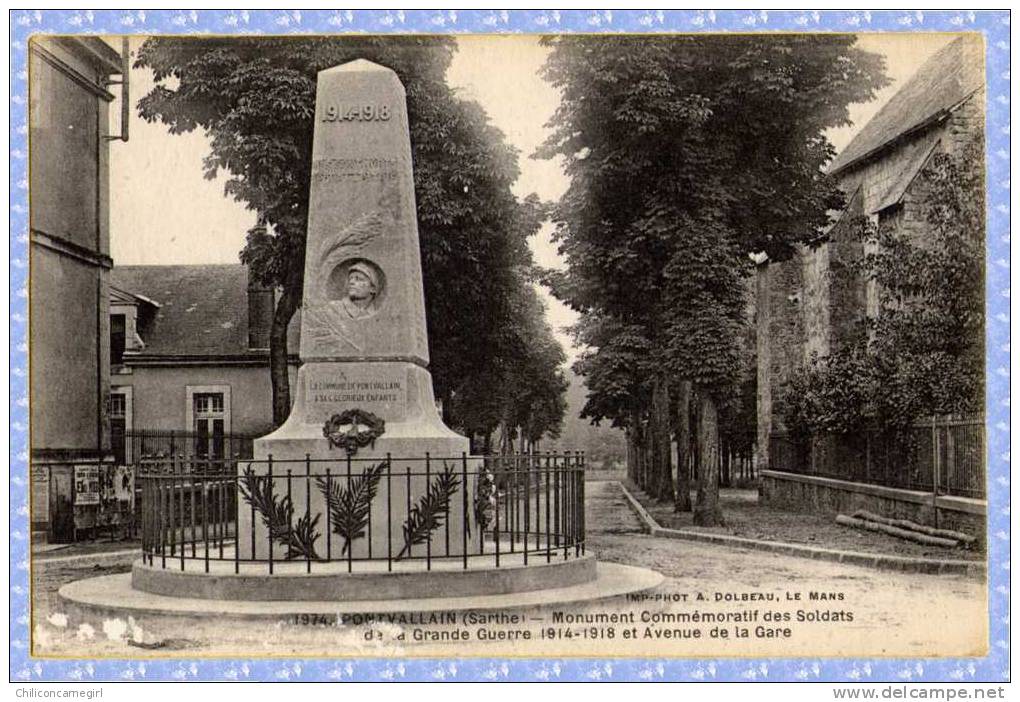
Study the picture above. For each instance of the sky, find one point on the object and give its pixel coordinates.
(163, 211)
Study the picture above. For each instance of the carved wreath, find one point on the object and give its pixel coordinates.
(353, 429)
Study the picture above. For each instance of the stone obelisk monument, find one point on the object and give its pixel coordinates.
(364, 382)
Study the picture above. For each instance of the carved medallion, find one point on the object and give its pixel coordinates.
(353, 429)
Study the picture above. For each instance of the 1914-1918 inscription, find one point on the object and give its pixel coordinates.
(356, 113)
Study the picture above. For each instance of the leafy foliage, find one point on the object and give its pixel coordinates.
(685, 154)
(830, 394)
(350, 502)
(431, 510)
(928, 339)
(614, 365)
(278, 516)
(535, 386)
(924, 352)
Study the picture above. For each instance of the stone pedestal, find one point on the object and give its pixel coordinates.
(414, 431)
(364, 346)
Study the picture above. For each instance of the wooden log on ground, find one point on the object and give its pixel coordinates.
(914, 526)
(914, 536)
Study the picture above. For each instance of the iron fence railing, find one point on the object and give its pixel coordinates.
(944, 455)
(134, 445)
(362, 513)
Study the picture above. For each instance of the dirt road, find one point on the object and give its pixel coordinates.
(716, 601)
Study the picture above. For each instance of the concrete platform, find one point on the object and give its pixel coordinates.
(113, 595)
(367, 580)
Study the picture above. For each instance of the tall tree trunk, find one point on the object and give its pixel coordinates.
(662, 465)
(763, 340)
(279, 366)
(635, 446)
(638, 443)
(708, 511)
(632, 452)
(682, 503)
(646, 457)
(506, 441)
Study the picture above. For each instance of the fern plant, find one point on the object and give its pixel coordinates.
(432, 508)
(349, 502)
(278, 516)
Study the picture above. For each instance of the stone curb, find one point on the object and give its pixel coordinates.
(113, 595)
(903, 564)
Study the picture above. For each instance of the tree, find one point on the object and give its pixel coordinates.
(254, 98)
(927, 346)
(535, 387)
(686, 154)
(615, 368)
(526, 397)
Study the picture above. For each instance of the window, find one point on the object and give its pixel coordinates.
(208, 403)
(118, 405)
(209, 424)
(117, 411)
(117, 338)
(207, 417)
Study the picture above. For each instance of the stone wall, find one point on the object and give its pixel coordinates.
(815, 495)
(786, 331)
(847, 289)
(816, 300)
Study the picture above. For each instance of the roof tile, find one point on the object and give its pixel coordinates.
(947, 78)
(203, 308)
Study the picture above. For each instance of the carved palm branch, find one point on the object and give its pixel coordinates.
(431, 510)
(278, 515)
(350, 502)
(359, 232)
(326, 324)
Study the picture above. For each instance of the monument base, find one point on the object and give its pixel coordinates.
(409, 459)
(368, 581)
(113, 595)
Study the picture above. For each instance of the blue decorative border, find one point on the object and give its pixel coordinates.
(994, 25)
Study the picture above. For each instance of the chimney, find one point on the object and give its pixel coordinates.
(261, 305)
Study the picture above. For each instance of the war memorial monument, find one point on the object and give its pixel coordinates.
(363, 500)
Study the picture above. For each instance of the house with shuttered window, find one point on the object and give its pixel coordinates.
(189, 360)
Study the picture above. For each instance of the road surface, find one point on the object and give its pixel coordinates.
(716, 601)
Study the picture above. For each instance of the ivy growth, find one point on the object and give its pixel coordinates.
(923, 354)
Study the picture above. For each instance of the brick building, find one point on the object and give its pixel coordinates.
(190, 355)
(810, 304)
